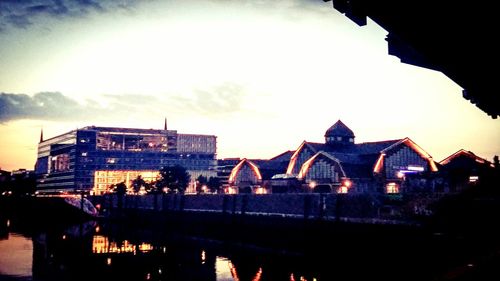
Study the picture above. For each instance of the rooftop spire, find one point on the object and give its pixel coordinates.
(41, 134)
(165, 126)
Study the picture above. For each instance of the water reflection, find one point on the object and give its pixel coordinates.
(90, 251)
(15, 255)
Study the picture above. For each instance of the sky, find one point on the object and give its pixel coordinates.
(262, 76)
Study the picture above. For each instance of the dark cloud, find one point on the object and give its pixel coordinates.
(45, 105)
(22, 14)
(56, 106)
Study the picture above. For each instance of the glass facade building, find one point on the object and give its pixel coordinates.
(93, 158)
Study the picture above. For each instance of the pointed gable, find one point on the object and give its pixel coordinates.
(322, 167)
(305, 151)
(245, 172)
(403, 155)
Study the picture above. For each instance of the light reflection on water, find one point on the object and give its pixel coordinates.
(223, 269)
(16, 255)
(90, 251)
(69, 254)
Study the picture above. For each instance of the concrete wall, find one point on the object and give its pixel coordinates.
(350, 207)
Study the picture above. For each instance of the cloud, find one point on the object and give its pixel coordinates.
(58, 107)
(22, 14)
(220, 100)
(44, 105)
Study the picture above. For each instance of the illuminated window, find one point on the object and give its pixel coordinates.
(60, 163)
(473, 179)
(104, 179)
(392, 188)
(343, 189)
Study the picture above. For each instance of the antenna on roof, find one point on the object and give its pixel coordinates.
(165, 126)
(41, 134)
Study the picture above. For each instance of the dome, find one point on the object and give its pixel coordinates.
(339, 129)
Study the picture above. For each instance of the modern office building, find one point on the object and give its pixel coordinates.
(94, 158)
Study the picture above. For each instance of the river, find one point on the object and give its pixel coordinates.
(118, 251)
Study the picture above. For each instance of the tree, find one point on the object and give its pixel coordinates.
(214, 184)
(138, 183)
(121, 188)
(175, 178)
(200, 182)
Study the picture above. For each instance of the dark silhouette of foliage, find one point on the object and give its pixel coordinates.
(121, 188)
(214, 184)
(200, 182)
(174, 178)
(138, 183)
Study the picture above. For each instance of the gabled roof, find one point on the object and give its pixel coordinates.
(238, 167)
(305, 167)
(466, 153)
(285, 156)
(353, 152)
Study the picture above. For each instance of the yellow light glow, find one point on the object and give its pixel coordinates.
(102, 245)
(343, 189)
(307, 165)
(108, 261)
(230, 190)
(103, 179)
(293, 159)
(422, 153)
(237, 168)
(312, 184)
(379, 164)
(260, 190)
(203, 257)
(347, 183)
(258, 275)
(392, 188)
(233, 271)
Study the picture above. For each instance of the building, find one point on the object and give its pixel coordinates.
(464, 168)
(4, 181)
(346, 166)
(94, 158)
(256, 175)
(339, 164)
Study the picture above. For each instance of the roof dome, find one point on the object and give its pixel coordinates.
(339, 129)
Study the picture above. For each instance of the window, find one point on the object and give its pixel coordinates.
(392, 188)
(342, 189)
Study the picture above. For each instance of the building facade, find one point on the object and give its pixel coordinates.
(340, 165)
(94, 158)
(346, 166)
(465, 169)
